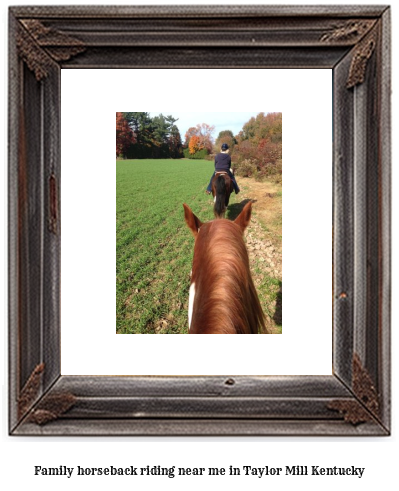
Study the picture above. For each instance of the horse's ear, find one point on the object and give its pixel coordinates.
(244, 217)
(193, 222)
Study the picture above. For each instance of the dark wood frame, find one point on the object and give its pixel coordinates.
(353, 41)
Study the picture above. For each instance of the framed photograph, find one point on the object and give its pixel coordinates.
(48, 45)
(145, 253)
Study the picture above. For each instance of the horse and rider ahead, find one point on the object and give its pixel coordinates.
(223, 164)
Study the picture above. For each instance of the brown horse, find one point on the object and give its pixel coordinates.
(222, 187)
(223, 299)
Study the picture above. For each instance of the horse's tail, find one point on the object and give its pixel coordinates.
(220, 201)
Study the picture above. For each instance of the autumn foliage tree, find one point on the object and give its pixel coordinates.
(263, 126)
(203, 133)
(190, 133)
(194, 145)
(259, 147)
(124, 135)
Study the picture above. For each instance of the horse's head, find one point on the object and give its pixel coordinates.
(194, 223)
(222, 298)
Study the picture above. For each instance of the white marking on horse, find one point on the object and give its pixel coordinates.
(214, 199)
(191, 303)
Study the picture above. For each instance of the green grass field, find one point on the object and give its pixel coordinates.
(154, 247)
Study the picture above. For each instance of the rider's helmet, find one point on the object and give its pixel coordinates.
(225, 146)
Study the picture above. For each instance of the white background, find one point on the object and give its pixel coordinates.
(88, 225)
(377, 455)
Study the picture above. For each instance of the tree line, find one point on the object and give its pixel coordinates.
(256, 150)
(138, 136)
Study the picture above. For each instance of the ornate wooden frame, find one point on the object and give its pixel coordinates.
(353, 41)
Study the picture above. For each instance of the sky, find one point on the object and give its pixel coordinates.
(233, 121)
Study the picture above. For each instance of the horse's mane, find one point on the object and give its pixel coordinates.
(225, 297)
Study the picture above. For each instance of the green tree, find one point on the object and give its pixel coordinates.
(141, 125)
(157, 137)
(175, 143)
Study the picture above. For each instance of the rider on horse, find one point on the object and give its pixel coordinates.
(223, 164)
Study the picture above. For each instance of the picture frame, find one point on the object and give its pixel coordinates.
(352, 41)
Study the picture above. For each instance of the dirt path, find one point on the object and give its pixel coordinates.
(264, 243)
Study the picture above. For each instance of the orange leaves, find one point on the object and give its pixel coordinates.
(203, 133)
(194, 144)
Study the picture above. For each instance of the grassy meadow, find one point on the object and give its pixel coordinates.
(154, 247)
